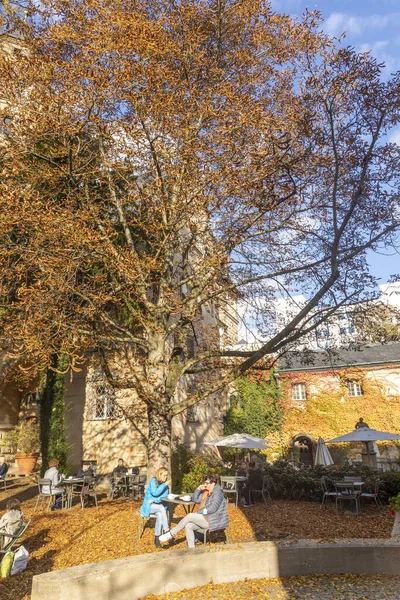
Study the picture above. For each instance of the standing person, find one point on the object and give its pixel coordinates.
(11, 521)
(55, 478)
(211, 515)
(156, 492)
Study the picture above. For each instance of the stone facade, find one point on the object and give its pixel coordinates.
(325, 394)
(102, 426)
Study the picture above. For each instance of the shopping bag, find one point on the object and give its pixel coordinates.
(6, 564)
(20, 560)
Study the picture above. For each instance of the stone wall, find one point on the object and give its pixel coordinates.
(135, 577)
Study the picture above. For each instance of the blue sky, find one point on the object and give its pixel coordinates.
(369, 25)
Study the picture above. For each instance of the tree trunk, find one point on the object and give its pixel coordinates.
(159, 441)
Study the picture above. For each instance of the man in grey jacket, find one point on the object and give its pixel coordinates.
(211, 515)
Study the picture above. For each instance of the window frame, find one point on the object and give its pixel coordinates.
(299, 385)
(354, 385)
(109, 402)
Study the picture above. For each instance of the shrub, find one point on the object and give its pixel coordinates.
(200, 466)
(305, 484)
(189, 470)
(24, 438)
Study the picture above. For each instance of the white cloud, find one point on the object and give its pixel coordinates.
(355, 25)
(395, 137)
(379, 51)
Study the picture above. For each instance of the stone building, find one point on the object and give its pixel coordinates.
(325, 393)
(101, 424)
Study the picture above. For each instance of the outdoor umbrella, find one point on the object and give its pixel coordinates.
(323, 456)
(240, 440)
(365, 434)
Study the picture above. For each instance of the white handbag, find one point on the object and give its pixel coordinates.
(20, 560)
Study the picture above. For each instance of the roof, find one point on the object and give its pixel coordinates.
(352, 356)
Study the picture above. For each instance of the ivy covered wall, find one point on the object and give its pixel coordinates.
(330, 411)
(53, 429)
(264, 407)
(255, 407)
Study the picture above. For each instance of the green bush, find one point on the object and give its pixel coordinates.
(189, 470)
(200, 466)
(289, 483)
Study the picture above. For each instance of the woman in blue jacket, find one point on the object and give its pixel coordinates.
(156, 492)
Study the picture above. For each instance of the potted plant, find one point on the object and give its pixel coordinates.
(394, 503)
(24, 440)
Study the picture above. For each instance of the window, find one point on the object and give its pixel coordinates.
(104, 403)
(354, 388)
(299, 391)
(193, 414)
(32, 399)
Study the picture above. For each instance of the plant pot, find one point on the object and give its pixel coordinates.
(396, 525)
(26, 462)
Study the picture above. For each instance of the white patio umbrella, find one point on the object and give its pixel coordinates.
(365, 434)
(240, 440)
(323, 456)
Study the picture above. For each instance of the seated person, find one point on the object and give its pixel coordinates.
(11, 521)
(254, 482)
(243, 469)
(3, 468)
(121, 469)
(85, 471)
(156, 492)
(55, 478)
(211, 515)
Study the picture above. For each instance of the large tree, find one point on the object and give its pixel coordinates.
(158, 157)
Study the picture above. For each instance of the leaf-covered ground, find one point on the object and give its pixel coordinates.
(75, 537)
(318, 587)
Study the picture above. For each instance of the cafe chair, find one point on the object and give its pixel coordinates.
(43, 496)
(375, 494)
(264, 491)
(228, 484)
(326, 493)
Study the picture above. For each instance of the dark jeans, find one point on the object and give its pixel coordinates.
(246, 495)
(57, 502)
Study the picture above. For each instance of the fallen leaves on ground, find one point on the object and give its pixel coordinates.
(67, 538)
(317, 587)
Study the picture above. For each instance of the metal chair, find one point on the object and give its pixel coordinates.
(326, 493)
(85, 489)
(346, 492)
(138, 486)
(264, 489)
(228, 484)
(119, 485)
(375, 494)
(204, 532)
(42, 495)
(143, 521)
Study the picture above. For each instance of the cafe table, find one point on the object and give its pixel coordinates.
(349, 490)
(188, 505)
(68, 484)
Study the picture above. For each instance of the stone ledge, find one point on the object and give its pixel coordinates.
(134, 577)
